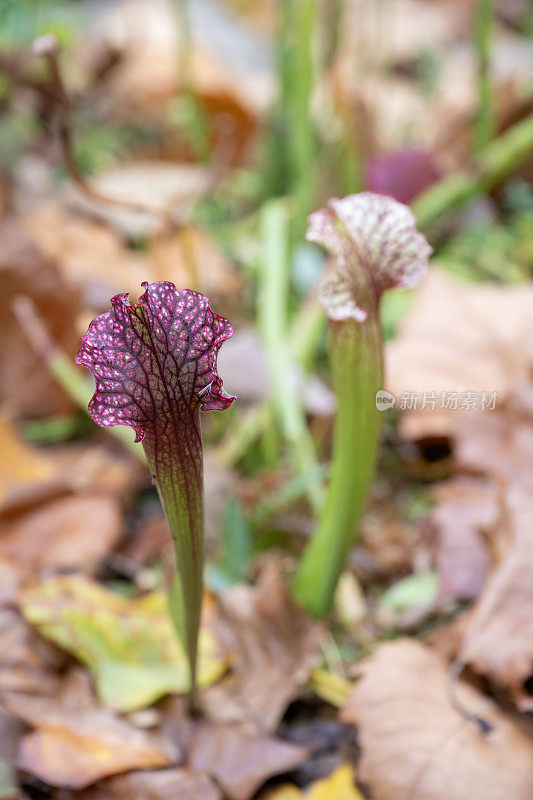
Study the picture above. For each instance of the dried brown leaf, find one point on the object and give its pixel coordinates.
(460, 337)
(26, 382)
(415, 745)
(99, 468)
(69, 532)
(191, 258)
(155, 186)
(22, 467)
(163, 784)
(26, 663)
(465, 507)
(498, 641)
(274, 645)
(239, 759)
(499, 444)
(76, 743)
(90, 254)
(96, 257)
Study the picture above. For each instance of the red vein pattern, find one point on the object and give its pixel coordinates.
(155, 360)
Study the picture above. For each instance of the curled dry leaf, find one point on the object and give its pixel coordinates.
(129, 644)
(404, 30)
(416, 746)
(465, 508)
(69, 532)
(161, 784)
(239, 759)
(146, 37)
(26, 382)
(498, 640)
(459, 337)
(274, 645)
(76, 743)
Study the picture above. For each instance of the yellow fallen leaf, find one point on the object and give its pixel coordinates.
(339, 785)
(128, 644)
(350, 603)
(285, 792)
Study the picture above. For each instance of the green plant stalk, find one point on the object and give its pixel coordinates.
(272, 304)
(296, 66)
(356, 354)
(176, 462)
(306, 332)
(288, 493)
(483, 29)
(197, 126)
(499, 159)
(302, 134)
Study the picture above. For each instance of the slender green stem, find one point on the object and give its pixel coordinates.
(175, 458)
(484, 124)
(303, 132)
(272, 305)
(498, 160)
(192, 114)
(296, 65)
(306, 331)
(356, 352)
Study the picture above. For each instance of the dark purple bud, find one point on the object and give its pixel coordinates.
(403, 174)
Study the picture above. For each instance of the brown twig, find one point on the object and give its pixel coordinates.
(58, 105)
(46, 47)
